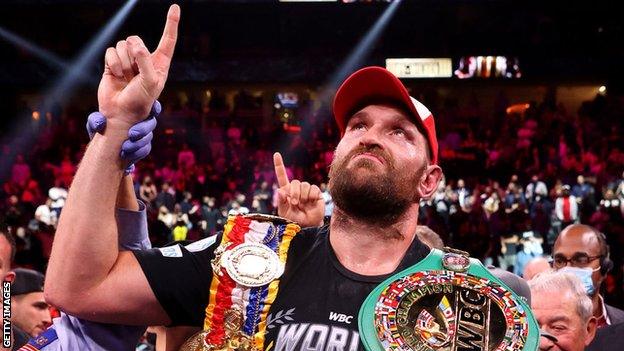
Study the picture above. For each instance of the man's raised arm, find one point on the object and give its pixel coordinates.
(87, 276)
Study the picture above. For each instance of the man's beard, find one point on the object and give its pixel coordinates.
(379, 198)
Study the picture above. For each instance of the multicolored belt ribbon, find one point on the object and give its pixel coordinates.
(246, 271)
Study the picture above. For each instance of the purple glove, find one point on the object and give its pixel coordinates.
(139, 142)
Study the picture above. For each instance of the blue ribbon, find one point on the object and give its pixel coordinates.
(258, 295)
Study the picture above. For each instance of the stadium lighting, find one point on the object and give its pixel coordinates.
(25, 135)
(359, 54)
(89, 55)
(45, 55)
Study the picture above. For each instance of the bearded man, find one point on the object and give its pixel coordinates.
(385, 163)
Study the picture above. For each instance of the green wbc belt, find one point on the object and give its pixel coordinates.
(446, 302)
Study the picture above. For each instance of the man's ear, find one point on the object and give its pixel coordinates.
(591, 326)
(9, 277)
(428, 183)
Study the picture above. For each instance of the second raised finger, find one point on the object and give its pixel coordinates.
(126, 63)
(295, 192)
(113, 63)
(305, 192)
(315, 193)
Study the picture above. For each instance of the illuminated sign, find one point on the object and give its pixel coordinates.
(488, 67)
(420, 67)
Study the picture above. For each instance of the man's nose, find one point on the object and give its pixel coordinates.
(46, 318)
(546, 344)
(371, 137)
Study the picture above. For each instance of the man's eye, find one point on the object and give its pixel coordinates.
(580, 259)
(358, 126)
(559, 328)
(398, 131)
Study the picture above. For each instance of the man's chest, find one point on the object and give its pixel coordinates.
(316, 312)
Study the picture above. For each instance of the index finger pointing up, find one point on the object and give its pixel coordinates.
(168, 40)
(280, 170)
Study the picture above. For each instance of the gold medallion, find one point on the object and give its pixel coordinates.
(252, 264)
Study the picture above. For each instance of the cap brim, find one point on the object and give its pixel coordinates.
(370, 84)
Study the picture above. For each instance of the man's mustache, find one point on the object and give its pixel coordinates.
(373, 150)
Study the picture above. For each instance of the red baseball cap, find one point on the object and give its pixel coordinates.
(374, 83)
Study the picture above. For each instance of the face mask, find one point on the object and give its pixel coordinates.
(584, 274)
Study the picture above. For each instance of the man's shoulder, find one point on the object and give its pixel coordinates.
(616, 315)
(309, 235)
(307, 241)
(20, 337)
(607, 338)
(203, 244)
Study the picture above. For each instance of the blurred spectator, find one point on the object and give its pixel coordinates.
(211, 216)
(186, 158)
(147, 190)
(233, 133)
(619, 192)
(536, 190)
(535, 267)
(180, 231)
(166, 217)
(165, 198)
(31, 196)
(58, 197)
(530, 248)
(236, 206)
(327, 198)
(583, 251)
(582, 190)
(14, 214)
(263, 197)
(186, 205)
(584, 194)
(491, 204)
(509, 250)
(167, 172)
(514, 198)
(20, 172)
(45, 214)
(181, 218)
(566, 207)
(462, 192)
(7, 255)
(30, 313)
(63, 173)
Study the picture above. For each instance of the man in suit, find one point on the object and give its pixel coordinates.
(583, 250)
(608, 338)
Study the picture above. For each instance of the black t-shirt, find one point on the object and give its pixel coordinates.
(318, 300)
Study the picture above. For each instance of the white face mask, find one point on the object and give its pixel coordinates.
(585, 275)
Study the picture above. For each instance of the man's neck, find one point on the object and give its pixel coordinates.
(598, 304)
(368, 249)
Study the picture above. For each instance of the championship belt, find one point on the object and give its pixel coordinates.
(245, 280)
(448, 302)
